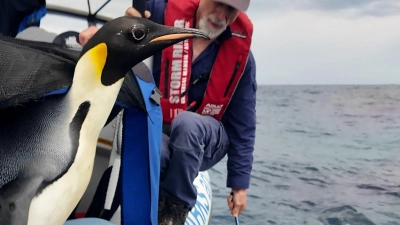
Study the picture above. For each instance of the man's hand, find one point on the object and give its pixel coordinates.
(133, 12)
(237, 201)
(86, 34)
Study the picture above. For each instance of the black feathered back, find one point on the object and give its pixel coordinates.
(31, 69)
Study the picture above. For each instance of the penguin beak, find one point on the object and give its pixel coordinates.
(175, 34)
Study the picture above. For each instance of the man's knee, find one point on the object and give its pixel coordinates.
(187, 131)
(187, 122)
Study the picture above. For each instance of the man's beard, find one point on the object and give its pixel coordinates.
(211, 31)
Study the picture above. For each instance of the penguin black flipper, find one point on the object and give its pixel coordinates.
(30, 70)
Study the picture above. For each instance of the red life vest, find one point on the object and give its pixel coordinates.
(177, 60)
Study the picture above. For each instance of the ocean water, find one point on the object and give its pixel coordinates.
(325, 155)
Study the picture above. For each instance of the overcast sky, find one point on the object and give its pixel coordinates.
(307, 41)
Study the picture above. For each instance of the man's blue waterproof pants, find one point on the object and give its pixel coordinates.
(196, 143)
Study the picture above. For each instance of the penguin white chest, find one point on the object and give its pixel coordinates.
(55, 203)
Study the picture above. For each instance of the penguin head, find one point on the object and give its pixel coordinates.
(130, 40)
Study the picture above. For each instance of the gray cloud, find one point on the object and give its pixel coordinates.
(382, 8)
(316, 48)
(312, 4)
(336, 4)
(348, 8)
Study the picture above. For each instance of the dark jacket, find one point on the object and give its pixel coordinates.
(12, 12)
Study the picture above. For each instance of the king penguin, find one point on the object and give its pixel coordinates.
(48, 145)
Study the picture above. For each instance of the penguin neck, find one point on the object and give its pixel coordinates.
(112, 73)
(87, 86)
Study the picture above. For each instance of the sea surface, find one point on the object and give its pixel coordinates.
(324, 155)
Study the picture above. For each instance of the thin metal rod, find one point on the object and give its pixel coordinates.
(88, 3)
(101, 7)
(237, 220)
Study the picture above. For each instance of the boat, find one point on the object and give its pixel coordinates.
(108, 158)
